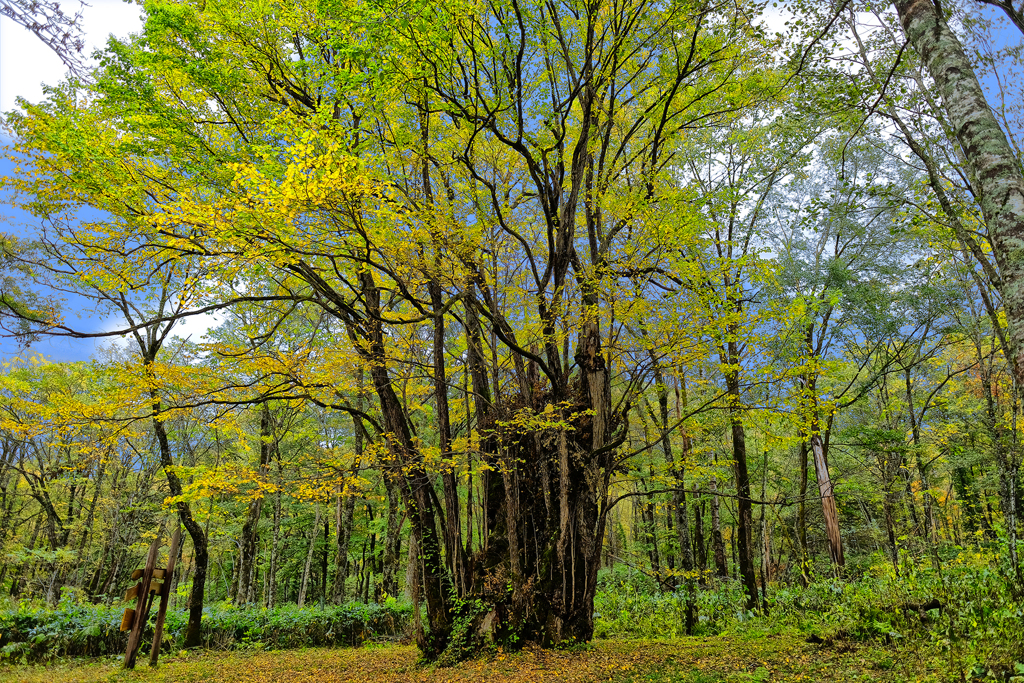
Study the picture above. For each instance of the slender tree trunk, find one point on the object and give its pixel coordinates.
(922, 467)
(679, 503)
(308, 564)
(325, 554)
(195, 531)
(343, 538)
(453, 516)
(678, 470)
(87, 531)
(964, 486)
(818, 446)
(744, 507)
(392, 551)
(7, 504)
(24, 570)
(717, 540)
(801, 516)
(828, 503)
(648, 532)
(275, 549)
(407, 467)
(452, 530)
(766, 545)
(888, 507)
(699, 543)
(247, 550)
(1002, 445)
(347, 500)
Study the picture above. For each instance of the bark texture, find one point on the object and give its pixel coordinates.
(1000, 185)
(828, 503)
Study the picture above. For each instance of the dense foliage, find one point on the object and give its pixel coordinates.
(508, 297)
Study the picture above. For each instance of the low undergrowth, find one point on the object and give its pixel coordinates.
(33, 633)
(630, 605)
(964, 613)
(968, 610)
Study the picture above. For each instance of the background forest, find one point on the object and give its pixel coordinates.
(534, 322)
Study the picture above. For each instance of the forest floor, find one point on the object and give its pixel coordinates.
(752, 655)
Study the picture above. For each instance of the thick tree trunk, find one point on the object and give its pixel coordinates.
(543, 494)
(408, 469)
(993, 166)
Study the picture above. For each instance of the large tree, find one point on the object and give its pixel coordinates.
(507, 171)
(993, 169)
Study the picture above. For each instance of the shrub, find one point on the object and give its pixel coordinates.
(630, 604)
(79, 629)
(969, 610)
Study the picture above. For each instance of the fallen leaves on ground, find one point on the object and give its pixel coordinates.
(725, 659)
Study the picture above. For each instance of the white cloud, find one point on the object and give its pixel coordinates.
(196, 326)
(25, 63)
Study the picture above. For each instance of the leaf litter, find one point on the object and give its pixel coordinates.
(717, 659)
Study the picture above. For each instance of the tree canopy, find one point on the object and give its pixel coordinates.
(512, 291)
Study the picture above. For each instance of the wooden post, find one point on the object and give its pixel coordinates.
(165, 596)
(142, 605)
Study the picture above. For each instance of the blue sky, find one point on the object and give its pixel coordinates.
(17, 222)
(25, 64)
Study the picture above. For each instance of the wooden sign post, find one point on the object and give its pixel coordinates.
(165, 596)
(135, 619)
(142, 604)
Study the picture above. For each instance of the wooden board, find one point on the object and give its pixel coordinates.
(157, 574)
(127, 619)
(133, 592)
